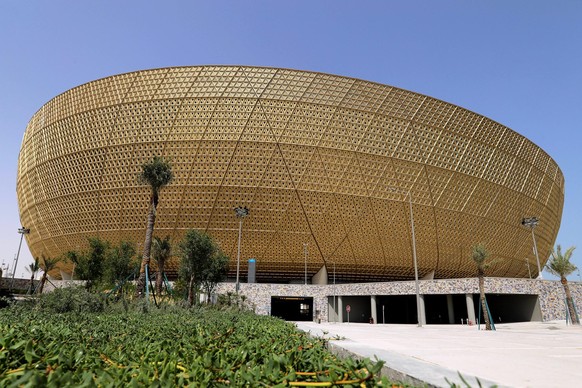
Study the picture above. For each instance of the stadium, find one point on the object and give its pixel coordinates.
(340, 175)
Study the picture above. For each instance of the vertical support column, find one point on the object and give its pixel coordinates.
(450, 309)
(331, 313)
(470, 307)
(374, 314)
(340, 309)
(422, 317)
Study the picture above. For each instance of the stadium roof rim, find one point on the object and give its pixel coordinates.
(299, 71)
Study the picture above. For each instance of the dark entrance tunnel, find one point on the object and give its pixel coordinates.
(445, 309)
(292, 308)
(360, 310)
(396, 309)
(510, 308)
(451, 309)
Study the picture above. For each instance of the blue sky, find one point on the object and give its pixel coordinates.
(518, 63)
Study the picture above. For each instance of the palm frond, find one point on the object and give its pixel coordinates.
(559, 263)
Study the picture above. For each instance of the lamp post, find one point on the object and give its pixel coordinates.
(408, 193)
(305, 254)
(241, 213)
(415, 262)
(531, 223)
(334, 294)
(22, 231)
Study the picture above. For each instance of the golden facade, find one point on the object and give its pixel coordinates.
(317, 158)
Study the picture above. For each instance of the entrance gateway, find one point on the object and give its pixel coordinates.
(292, 308)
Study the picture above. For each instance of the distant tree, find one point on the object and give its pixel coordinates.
(214, 273)
(74, 257)
(95, 261)
(33, 268)
(480, 255)
(120, 263)
(560, 265)
(46, 265)
(90, 265)
(198, 251)
(161, 252)
(156, 173)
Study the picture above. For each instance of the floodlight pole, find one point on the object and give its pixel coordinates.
(305, 254)
(415, 262)
(22, 232)
(417, 286)
(334, 294)
(531, 223)
(241, 213)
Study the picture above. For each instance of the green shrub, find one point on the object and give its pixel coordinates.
(6, 301)
(174, 347)
(71, 299)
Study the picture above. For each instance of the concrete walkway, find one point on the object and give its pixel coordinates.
(531, 354)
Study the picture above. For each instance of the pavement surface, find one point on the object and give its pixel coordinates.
(528, 354)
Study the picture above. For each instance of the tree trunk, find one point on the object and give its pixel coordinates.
(208, 292)
(42, 282)
(569, 301)
(160, 276)
(141, 281)
(32, 283)
(191, 291)
(482, 298)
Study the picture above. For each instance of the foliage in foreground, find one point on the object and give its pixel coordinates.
(175, 347)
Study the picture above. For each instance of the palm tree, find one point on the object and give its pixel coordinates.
(161, 251)
(33, 269)
(156, 173)
(46, 265)
(561, 266)
(480, 256)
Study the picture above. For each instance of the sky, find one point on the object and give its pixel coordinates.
(516, 62)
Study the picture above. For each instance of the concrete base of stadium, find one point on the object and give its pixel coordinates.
(533, 354)
(445, 301)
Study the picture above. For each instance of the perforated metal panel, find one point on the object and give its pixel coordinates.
(317, 158)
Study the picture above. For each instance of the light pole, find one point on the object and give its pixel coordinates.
(241, 213)
(408, 193)
(22, 231)
(531, 223)
(305, 254)
(415, 262)
(334, 294)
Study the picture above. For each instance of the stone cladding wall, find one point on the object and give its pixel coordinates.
(20, 284)
(550, 293)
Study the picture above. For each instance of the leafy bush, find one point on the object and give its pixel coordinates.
(68, 299)
(198, 347)
(5, 301)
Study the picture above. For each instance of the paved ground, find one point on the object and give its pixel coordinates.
(531, 354)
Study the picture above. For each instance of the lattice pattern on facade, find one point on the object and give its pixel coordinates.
(317, 158)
